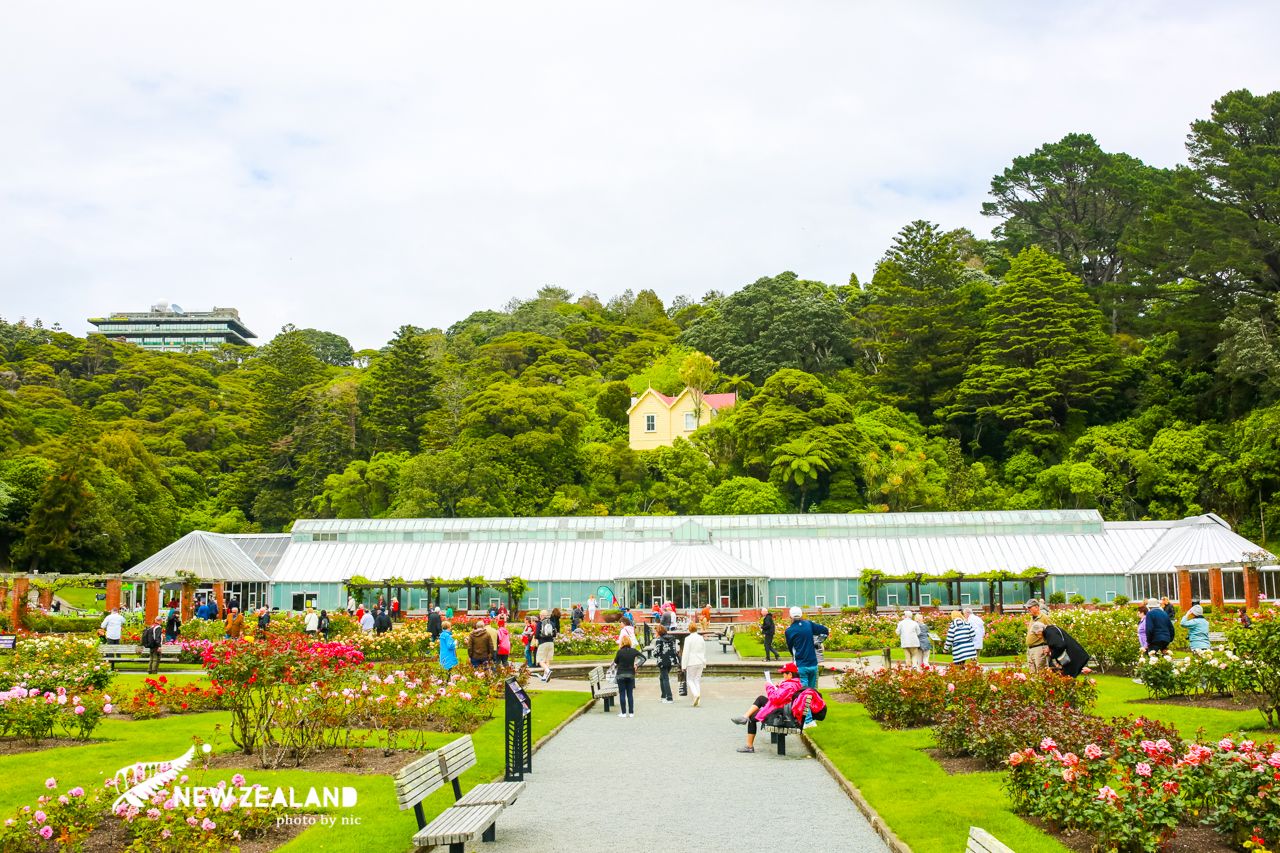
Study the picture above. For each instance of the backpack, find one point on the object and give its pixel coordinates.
(546, 630)
(151, 638)
(323, 624)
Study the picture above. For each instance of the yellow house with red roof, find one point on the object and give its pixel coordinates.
(656, 420)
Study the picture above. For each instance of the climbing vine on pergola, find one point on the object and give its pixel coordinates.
(873, 579)
(514, 587)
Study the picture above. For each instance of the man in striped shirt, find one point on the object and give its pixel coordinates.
(960, 640)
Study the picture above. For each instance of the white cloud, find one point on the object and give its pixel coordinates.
(357, 168)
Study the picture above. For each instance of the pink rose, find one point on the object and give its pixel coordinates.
(1093, 752)
(1048, 744)
(208, 825)
(77, 791)
(79, 710)
(1143, 768)
(108, 708)
(39, 816)
(46, 832)
(165, 833)
(238, 780)
(51, 783)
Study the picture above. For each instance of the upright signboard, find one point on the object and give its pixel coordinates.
(519, 729)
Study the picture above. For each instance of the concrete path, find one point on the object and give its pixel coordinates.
(669, 778)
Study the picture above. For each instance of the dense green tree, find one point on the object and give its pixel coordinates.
(744, 496)
(1043, 355)
(918, 321)
(329, 347)
(1079, 202)
(772, 324)
(400, 389)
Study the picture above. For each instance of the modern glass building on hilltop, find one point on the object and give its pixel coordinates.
(752, 561)
(170, 329)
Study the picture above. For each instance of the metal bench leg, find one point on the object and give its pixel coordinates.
(773, 737)
(490, 834)
(608, 704)
(456, 847)
(782, 744)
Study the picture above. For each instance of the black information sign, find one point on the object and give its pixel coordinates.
(519, 732)
(8, 641)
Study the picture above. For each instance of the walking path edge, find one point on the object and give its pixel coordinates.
(896, 844)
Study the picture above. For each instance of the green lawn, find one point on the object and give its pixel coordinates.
(81, 597)
(892, 771)
(131, 681)
(1115, 698)
(928, 809)
(382, 826)
(752, 648)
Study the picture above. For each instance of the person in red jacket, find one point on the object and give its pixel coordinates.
(395, 610)
(780, 695)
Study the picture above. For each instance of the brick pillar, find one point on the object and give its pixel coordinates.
(151, 603)
(188, 608)
(220, 596)
(1216, 595)
(113, 595)
(18, 602)
(45, 598)
(4, 594)
(1252, 587)
(1184, 589)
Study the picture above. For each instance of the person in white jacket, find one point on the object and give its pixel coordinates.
(979, 628)
(693, 659)
(909, 638)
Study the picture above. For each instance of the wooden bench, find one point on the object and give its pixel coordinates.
(726, 640)
(137, 654)
(981, 841)
(455, 826)
(602, 688)
(459, 756)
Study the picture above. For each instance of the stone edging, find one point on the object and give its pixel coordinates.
(586, 706)
(896, 844)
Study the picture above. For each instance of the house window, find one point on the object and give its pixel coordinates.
(926, 600)
(819, 601)
(690, 421)
(853, 600)
(779, 601)
(1110, 595)
(650, 423)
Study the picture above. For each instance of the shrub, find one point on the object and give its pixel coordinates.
(1057, 597)
(157, 697)
(47, 663)
(1260, 644)
(32, 715)
(1120, 600)
(1077, 599)
(1006, 635)
(42, 623)
(1110, 636)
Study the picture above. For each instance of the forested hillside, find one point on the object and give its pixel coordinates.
(1113, 346)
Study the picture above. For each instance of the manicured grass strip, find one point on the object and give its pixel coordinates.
(928, 809)
(382, 826)
(82, 597)
(129, 682)
(1115, 698)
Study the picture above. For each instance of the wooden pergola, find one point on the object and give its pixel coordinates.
(952, 581)
(513, 587)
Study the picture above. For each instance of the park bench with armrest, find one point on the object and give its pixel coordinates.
(726, 639)
(602, 687)
(778, 734)
(137, 654)
(455, 826)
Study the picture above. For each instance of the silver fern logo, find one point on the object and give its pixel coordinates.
(147, 778)
(142, 784)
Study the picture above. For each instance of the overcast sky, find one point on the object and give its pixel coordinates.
(355, 167)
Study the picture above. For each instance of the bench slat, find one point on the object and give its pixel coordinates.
(456, 757)
(981, 841)
(504, 793)
(416, 781)
(457, 825)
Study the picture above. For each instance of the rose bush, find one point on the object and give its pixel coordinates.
(1215, 671)
(31, 714)
(66, 821)
(47, 663)
(157, 697)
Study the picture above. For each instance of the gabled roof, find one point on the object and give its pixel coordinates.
(202, 555)
(1203, 541)
(690, 561)
(715, 402)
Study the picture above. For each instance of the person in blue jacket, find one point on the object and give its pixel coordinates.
(1197, 629)
(1159, 627)
(800, 642)
(448, 648)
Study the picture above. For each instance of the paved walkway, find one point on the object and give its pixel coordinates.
(670, 778)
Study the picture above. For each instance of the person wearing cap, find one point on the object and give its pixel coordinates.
(152, 639)
(1159, 627)
(1168, 607)
(776, 696)
(800, 642)
(1037, 651)
(1197, 629)
(693, 659)
(909, 638)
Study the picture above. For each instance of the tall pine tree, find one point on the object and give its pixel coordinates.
(1042, 356)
